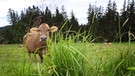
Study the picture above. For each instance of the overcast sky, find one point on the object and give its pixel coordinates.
(79, 7)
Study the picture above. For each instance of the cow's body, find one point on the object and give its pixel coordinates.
(36, 41)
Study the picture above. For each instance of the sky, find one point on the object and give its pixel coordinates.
(79, 7)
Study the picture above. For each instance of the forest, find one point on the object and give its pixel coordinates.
(104, 24)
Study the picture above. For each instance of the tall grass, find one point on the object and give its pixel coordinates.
(66, 59)
(69, 58)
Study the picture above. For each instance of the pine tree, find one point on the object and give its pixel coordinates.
(111, 22)
(13, 19)
(73, 22)
(47, 16)
(58, 18)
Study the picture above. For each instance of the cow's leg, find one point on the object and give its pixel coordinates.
(40, 55)
(44, 51)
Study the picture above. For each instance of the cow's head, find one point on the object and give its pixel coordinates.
(44, 30)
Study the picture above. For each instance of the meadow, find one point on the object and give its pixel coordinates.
(70, 55)
(69, 58)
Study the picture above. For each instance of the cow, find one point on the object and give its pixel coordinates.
(36, 40)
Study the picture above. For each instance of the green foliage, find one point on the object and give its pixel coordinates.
(65, 59)
(106, 24)
(73, 22)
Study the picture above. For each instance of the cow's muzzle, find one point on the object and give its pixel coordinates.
(43, 38)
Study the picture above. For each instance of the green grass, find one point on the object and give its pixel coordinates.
(68, 58)
(14, 61)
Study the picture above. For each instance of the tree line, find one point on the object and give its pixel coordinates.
(103, 24)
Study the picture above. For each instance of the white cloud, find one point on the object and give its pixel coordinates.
(3, 22)
(16, 5)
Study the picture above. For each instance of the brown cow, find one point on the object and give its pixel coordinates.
(36, 41)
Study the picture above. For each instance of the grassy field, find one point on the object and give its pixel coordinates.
(67, 58)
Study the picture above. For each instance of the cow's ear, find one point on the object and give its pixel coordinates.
(34, 29)
(53, 29)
